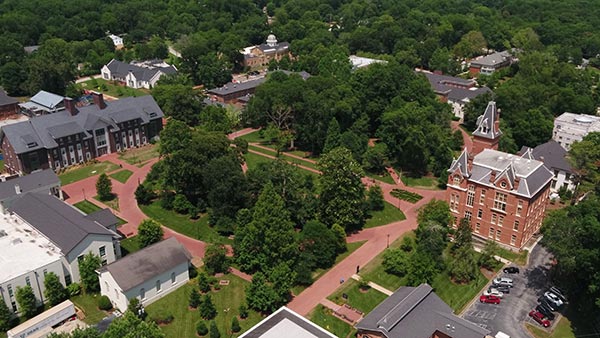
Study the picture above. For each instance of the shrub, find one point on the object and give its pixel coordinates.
(201, 328)
(166, 200)
(192, 272)
(203, 282)
(104, 303)
(214, 331)
(243, 311)
(194, 299)
(363, 283)
(73, 289)
(162, 316)
(375, 198)
(181, 204)
(144, 195)
(235, 325)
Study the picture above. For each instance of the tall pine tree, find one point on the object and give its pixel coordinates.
(334, 136)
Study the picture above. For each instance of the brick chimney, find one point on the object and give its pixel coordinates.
(492, 176)
(516, 183)
(99, 100)
(70, 106)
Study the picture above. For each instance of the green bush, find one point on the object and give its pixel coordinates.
(73, 289)
(243, 311)
(181, 204)
(235, 325)
(104, 303)
(162, 316)
(201, 328)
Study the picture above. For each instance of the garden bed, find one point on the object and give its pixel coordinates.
(406, 195)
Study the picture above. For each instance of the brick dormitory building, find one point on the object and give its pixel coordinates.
(78, 134)
(502, 195)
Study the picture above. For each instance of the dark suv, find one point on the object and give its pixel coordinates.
(511, 269)
(545, 311)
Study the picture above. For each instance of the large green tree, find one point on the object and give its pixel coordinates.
(26, 301)
(130, 326)
(179, 101)
(54, 290)
(585, 159)
(342, 197)
(87, 272)
(51, 68)
(149, 232)
(5, 317)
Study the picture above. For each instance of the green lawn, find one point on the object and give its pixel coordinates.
(1, 165)
(122, 176)
(229, 297)
(139, 156)
(325, 319)
(87, 207)
(562, 330)
(107, 87)
(284, 157)
(253, 137)
(457, 295)
(198, 229)
(363, 301)
(253, 160)
(85, 171)
(129, 245)
(406, 195)
(89, 305)
(519, 258)
(386, 178)
(388, 215)
(421, 182)
(112, 203)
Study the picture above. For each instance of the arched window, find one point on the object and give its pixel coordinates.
(456, 180)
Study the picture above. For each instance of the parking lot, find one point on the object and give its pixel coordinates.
(509, 316)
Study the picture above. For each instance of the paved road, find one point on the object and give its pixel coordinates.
(510, 315)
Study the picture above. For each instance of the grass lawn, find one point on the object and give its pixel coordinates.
(253, 160)
(129, 245)
(122, 176)
(284, 157)
(388, 215)
(386, 178)
(107, 87)
(363, 301)
(323, 317)
(519, 258)
(374, 272)
(198, 229)
(80, 172)
(562, 330)
(421, 182)
(229, 297)
(139, 156)
(406, 195)
(455, 295)
(1, 165)
(320, 272)
(112, 203)
(89, 207)
(89, 305)
(254, 137)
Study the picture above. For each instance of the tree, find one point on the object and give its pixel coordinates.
(462, 235)
(471, 44)
(215, 259)
(134, 306)
(463, 266)
(149, 232)
(104, 187)
(207, 308)
(194, 299)
(130, 326)
(435, 210)
(422, 268)
(214, 331)
(26, 300)
(375, 159)
(319, 244)
(334, 136)
(5, 317)
(179, 101)
(235, 325)
(51, 68)
(201, 328)
(87, 272)
(487, 260)
(342, 195)
(340, 236)
(89, 332)
(243, 310)
(203, 282)
(375, 198)
(584, 156)
(395, 261)
(260, 295)
(54, 291)
(431, 241)
(144, 195)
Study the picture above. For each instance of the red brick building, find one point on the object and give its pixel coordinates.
(8, 105)
(503, 195)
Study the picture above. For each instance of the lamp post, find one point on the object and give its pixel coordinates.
(388, 241)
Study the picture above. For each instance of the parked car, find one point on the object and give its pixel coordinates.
(489, 299)
(504, 281)
(538, 317)
(545, 311)
(552, 298)
(546, 303)
(493, 292)
(503, 288)
(558, 292)
(511, 269)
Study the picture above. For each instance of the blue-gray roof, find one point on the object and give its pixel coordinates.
(42, 131)
(451, 86)
(552, 154)
(28, 183)
(6, 100)
(121, 69)
(46, 99)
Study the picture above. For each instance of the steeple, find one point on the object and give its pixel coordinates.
(487, 135)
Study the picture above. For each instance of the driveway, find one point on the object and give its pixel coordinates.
(509, 316)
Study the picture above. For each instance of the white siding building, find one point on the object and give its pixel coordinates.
(148, 274)
(569, 128)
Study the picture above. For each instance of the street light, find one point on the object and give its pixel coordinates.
(388, 241)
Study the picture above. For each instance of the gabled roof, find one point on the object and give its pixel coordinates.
(42, 131)
(417, 312)
(492, 60)
(56, 220)
(104, 217)
(486, 123)
(6, 100)
(28, 183)
(461, 164)
(455, 88)
(551, 153)
(141, 266)
(286, 323)
(46, 99)
(121, 69)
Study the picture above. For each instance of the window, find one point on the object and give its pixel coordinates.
(456, 180)
(471, 195)
(173, 278)
(10, 290)
(45, 272)
(519, 207)
(468, 215)
(102, 251)
(79, 259)
(491, 233)
(27, 281)
(500, 201)
(482, 197)
(143, 293)
(14, 306)
(500, 220)
(516, 225)
(494, 218)
(104, 262)
(454, 202)
(498, 234)
(477, 227)
(480, 213)
(158, 285)
(513, 239)
(68, 280)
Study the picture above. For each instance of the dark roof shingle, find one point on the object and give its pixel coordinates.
(28, 183)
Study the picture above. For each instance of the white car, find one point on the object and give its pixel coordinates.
(493, 292)
(505, 281)
(553, 298)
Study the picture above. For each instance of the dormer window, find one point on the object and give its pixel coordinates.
(456, 180)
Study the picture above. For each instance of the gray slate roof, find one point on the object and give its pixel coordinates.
(552, 154)
(417, 312)
(42, 131)
(286, 323)
(448, 85)
(6, 100)
(121, 69)
(461, 164)
(46, 99)
(28, 183)
(486, 123)
(104, 217)
(532, 174)
(231, 87)
(492, 60)
(134, 269)
(56, 220)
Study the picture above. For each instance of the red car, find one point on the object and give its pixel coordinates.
(489, 299)
(539, 317)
